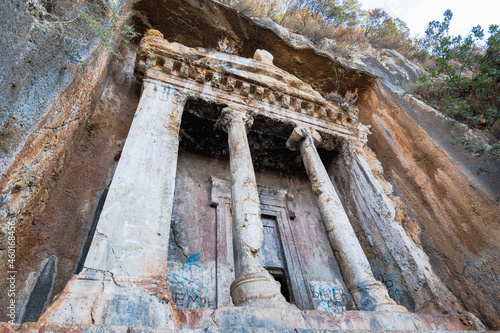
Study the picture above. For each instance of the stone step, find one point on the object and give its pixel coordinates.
(42, 328)
(260, 320)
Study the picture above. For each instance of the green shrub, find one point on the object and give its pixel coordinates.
(341, 20)
(465, 85)
(476, 147)
(459, 109)
(80, 23)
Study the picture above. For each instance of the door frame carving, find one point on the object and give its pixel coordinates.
(273, 202)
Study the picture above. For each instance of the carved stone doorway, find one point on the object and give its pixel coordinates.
(279, 254)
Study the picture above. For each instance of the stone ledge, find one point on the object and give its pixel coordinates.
(351, 320)
(41, 328)
(246, 319)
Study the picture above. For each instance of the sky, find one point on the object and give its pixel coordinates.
(418, 13)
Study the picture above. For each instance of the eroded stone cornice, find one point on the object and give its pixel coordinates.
(246, 83)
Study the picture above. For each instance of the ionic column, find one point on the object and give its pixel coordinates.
(126, 265)
(368, 293)
(253, 285)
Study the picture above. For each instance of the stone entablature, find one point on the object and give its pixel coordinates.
(244, 84)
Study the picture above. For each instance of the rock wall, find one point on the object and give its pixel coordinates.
(52, 187)
(54, 174)
(35, 69)
(457, 215)
(390, 237)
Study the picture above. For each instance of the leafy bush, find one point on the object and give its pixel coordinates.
(476, 147)
(384, 31)
(459, 109)
(465, 85)
(79, 23)
(341, 20)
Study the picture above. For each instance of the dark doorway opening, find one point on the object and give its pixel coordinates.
(279, 275)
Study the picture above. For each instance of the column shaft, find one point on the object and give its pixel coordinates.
(132, 235)
(368, 293)
(126, 264)
(253, 285)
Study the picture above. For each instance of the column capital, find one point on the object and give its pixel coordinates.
(301, 132)
(228, 116)
(163, 91)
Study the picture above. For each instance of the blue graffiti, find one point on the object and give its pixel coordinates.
(484, 272)
(188, 290)
(330, 299)
(385, 269)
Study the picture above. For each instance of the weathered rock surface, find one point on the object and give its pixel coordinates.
(279, 320)
(53, 187)
(34, 69)
(59, 176)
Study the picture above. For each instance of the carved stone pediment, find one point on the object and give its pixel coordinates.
(241, 83)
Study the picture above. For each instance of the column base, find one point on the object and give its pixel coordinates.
(95, 298)
(374, 297)
(257, 290)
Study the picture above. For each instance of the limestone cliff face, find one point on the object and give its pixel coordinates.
(52, 180)
(51, 189)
